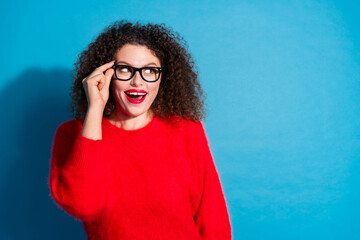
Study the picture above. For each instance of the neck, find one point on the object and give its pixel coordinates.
(121, 120)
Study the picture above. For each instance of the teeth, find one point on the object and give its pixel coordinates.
(136, 93)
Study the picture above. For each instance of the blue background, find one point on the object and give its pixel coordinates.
(282, 80)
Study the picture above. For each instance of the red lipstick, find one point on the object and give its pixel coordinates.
(135, 96)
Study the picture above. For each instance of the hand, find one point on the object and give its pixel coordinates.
(96, 86)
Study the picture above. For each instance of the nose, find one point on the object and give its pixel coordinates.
(136, 80)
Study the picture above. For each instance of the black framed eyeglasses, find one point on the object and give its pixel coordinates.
(148, 74)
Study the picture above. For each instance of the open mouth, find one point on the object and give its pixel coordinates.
(136, 95)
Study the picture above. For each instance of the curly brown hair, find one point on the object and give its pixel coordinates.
(180, 93)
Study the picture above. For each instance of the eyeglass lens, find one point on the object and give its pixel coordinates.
(127, 72)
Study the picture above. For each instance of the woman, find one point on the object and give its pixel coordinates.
(135, 162)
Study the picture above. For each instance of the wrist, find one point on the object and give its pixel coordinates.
(92, 124)
(95, 109)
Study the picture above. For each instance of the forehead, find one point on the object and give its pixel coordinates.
(136, 55)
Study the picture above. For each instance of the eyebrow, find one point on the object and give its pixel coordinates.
(146, 65)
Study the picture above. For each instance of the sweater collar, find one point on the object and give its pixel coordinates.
(142, 130)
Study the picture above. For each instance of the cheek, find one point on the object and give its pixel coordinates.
(116, 88)
(155, 88)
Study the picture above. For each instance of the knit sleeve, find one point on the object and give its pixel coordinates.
(78, 172)
(211, 218)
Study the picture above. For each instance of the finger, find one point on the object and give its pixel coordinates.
(101, 83)
(108, 75)
(104, 67)
(93, 80)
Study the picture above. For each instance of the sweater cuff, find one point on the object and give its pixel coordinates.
(88, 154)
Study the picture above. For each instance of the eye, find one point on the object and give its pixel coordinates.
(150, 70)
(124, 69)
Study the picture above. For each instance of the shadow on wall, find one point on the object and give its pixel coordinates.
(33, 105)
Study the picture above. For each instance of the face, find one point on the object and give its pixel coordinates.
(128, 95)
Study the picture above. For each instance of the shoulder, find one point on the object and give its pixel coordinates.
(71, 127)
(180, 123)
(188, 128)
(195, 129)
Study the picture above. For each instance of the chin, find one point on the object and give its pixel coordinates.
(132, 112)
(135, 114)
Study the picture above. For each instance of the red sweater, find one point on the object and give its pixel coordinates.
(157, 182)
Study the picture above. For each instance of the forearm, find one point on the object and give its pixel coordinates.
(92, 124)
